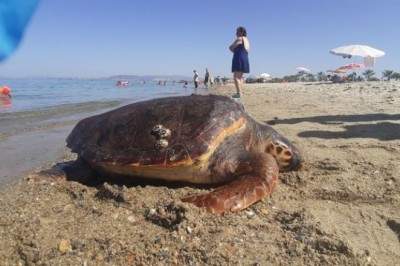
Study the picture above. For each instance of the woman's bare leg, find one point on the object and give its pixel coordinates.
(237, 76)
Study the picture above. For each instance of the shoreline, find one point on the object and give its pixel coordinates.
(342, 210)
(30, 139)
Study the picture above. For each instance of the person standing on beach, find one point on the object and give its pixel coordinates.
(195, 79)
(206, 78)
(240, 61)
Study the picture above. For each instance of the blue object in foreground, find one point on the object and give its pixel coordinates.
(14, 16)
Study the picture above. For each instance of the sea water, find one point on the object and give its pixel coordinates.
(39, 101)
(36, 94)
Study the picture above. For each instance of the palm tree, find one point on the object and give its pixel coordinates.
(321, 76)
(396, 76)
(310, 77)
(291, 78)
(388, 74)
(369, 73)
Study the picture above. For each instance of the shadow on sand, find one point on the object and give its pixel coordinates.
(382, 130)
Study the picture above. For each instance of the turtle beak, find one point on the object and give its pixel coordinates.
(297, 162)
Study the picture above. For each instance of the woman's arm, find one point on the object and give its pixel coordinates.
(237, 42)
(246, 44)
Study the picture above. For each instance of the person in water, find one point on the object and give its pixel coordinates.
(5, 91)
(240, 61)
(206, 78)
(196, 79)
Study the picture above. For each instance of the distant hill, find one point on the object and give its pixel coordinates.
(151, 77)
(134, 78)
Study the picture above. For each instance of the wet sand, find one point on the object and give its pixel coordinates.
(30, 139)
(342, 210)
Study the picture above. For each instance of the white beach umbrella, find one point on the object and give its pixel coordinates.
(357, 50)
(303, 69)
(265, 75)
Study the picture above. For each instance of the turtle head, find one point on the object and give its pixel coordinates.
(286, 154)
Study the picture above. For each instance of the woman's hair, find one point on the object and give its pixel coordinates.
(242, 31)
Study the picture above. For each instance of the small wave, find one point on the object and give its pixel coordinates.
(12, 123)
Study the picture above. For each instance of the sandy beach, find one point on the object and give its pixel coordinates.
(342, 210)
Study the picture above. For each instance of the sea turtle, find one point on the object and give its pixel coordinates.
(196, 139)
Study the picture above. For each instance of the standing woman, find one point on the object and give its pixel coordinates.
(240, 62)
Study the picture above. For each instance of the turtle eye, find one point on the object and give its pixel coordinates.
(279, 150)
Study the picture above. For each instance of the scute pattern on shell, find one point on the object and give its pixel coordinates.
(124, 136)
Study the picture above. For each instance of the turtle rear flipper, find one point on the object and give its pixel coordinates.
(241, 192)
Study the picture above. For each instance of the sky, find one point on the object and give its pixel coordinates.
(102, 38)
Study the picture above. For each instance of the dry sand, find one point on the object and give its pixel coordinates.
(343, 210)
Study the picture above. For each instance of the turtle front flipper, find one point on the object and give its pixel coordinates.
(241, 192)
(78, 170)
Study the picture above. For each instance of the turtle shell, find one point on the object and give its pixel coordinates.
(161, 132)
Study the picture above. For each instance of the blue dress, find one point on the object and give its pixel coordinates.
(240, 60)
